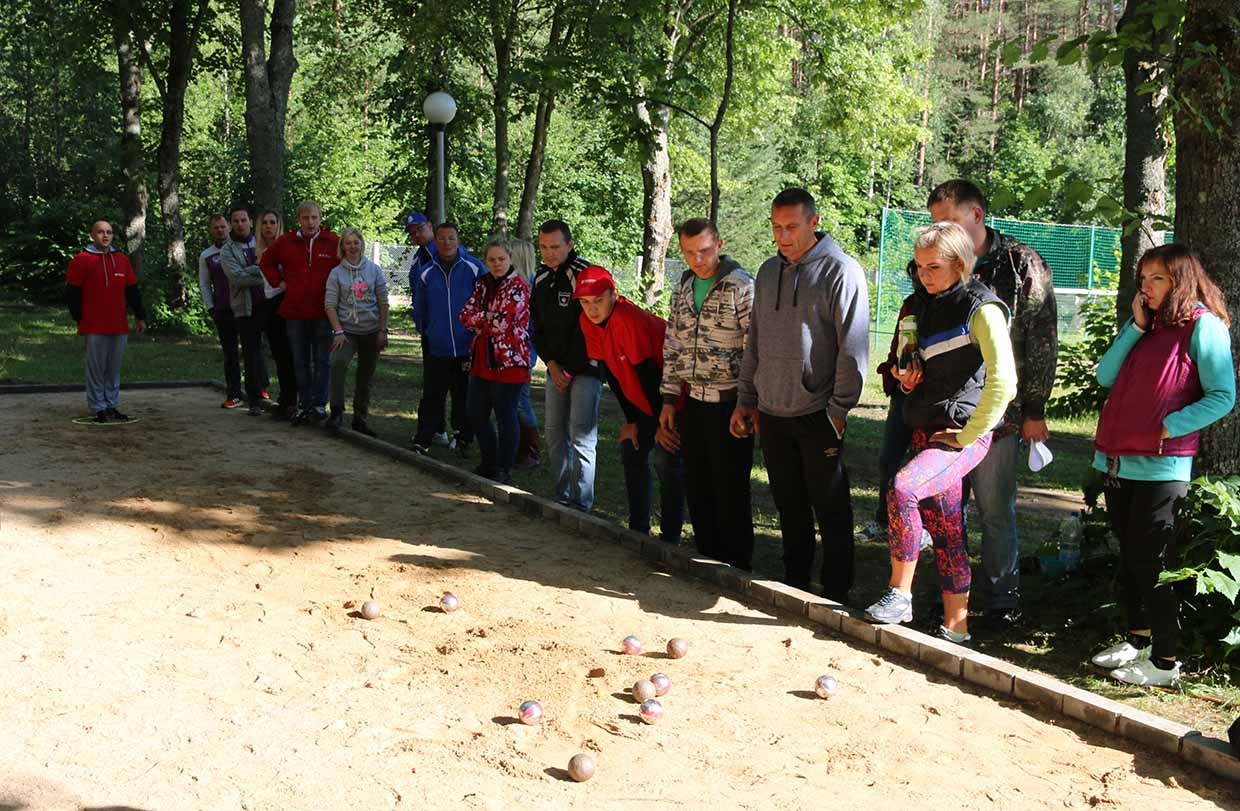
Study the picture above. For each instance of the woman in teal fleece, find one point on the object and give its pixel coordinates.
(1171, 374)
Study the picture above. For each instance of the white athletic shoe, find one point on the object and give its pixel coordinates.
(926, 541)
(442, 440)
(1120, 655)
(1144, 672)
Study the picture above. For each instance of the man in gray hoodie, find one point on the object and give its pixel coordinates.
(802, 372)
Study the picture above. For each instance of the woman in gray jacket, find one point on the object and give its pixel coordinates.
(356, 303)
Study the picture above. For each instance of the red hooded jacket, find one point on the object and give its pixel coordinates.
(303, 265)
(103, 278)
(630, 336)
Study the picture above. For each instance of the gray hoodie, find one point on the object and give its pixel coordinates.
(355, 292)
(808, 343)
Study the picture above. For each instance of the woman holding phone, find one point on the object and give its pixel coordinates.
(1171, 374)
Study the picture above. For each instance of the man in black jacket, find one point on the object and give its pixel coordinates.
(574, 384)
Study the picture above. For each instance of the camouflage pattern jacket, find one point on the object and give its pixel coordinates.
(1020, 277)
(702, 350)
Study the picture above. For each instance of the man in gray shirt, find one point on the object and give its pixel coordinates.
(802, 372)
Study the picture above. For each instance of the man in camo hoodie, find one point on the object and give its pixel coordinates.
(702, 354)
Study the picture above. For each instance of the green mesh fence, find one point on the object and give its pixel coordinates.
(1084, 262)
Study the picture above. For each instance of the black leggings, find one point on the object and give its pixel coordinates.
(1144, 517)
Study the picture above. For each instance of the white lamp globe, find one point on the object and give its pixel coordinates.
(440, 108)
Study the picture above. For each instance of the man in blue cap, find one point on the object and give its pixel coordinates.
(422, 236)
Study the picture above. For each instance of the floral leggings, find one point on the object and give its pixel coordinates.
(926, 492)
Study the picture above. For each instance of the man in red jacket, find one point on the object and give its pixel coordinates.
(629, 341)
(99, 284)
(303, 259)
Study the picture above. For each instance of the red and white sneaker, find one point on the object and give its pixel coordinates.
(231, 403)
(266, 397)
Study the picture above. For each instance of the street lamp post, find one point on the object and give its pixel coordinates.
(440, 109)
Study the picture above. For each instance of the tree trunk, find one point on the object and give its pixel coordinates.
(533, 167)
(267, 82)
(656, 199)
(1207, 179)
(729, 58)
(503, 33)
(1145, 144)
(925, 101)
(135, 197)
(994, 87)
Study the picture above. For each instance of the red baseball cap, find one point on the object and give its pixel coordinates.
(593, 281)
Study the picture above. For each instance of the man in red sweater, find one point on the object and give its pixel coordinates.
(303, 259)
(629, 341)
(99, 284)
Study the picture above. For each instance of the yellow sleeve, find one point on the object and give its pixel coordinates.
(990, 333)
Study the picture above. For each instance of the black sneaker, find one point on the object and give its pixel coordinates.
(334, 423)
(420, 449)
(283, 413)
(299, 418)
(461, 448)
(256, 411)
(362, 428)
(998, 620)
(116, 416)
(101, 417)
(318, 416)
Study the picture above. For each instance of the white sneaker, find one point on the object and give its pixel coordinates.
(442, 439)
(1120, 655)
(1145, 672)
(926, 541)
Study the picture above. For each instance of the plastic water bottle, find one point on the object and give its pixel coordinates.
(1069, 534)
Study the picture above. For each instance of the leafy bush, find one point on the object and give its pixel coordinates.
(1076, 376)
(35, 251)
(1210, 561)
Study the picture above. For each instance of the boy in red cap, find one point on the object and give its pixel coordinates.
(629, 341)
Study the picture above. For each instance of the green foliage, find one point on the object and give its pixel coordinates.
(1076, 376)
(1210, 563)
(36, 251)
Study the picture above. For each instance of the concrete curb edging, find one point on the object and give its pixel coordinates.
(956, 661)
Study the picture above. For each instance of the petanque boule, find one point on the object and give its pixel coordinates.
(643, 689)
(677, 648)
(530, 712)
(826, 686)
(581, 767)
(370, 609)
(449, 602)
(662, 684)
(651, 711)
(631, 645)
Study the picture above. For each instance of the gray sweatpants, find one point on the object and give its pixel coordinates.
(103, 370)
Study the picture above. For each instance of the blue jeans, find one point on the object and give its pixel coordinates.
(896, 438)
(485, 396)
(669, 468)
(525, 409)
(572, 433)
(993, 485)
(311, 344)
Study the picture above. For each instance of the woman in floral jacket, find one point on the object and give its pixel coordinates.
(498, 312)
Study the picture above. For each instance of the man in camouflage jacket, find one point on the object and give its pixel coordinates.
(702, 353)
(1021, 278)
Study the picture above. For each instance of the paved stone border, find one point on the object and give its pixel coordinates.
(61, 388)
(956, 661)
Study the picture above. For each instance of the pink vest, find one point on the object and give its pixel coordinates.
(1157, 378)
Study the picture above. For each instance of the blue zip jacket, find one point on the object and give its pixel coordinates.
(439, 297)
(421, 257)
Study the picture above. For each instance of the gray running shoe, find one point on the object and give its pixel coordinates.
(893, 607)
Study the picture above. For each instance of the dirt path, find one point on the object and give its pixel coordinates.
(173, 636)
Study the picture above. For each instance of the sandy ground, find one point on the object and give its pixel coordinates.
(173, 635)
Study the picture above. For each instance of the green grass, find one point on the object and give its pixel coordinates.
(1067, 619)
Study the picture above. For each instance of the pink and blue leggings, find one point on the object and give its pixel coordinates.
(926, 492)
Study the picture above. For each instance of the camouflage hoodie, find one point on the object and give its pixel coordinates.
(1020, 277)
(703, 350)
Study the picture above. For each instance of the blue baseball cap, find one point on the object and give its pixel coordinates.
(415, 218)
